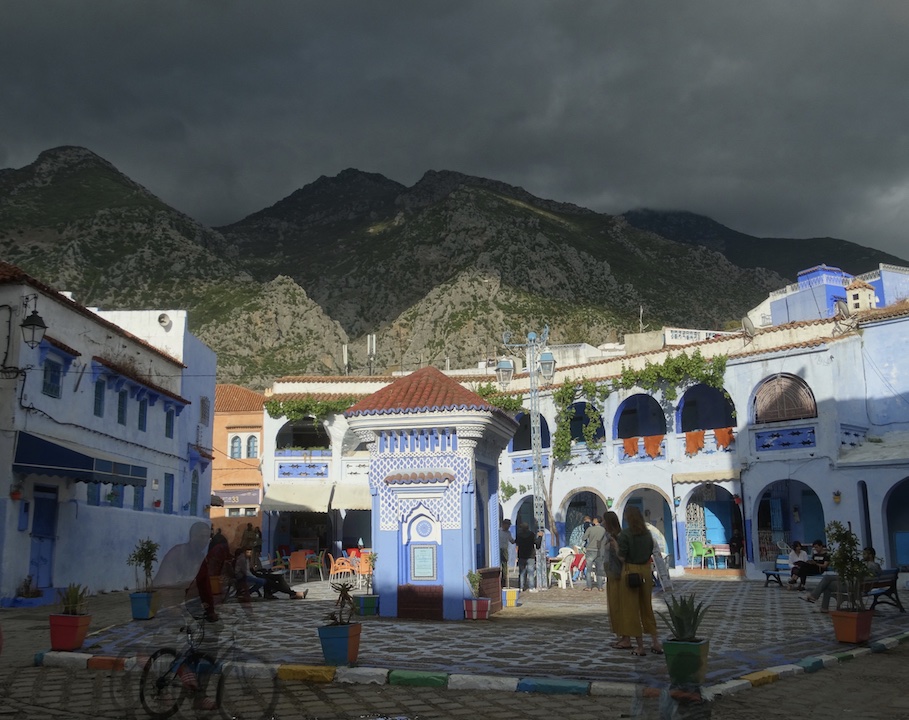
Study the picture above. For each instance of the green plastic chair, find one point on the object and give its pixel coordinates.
(699, 550)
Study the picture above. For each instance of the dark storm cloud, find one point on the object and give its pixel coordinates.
(775, 118)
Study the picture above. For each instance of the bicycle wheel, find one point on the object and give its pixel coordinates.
(160, 690)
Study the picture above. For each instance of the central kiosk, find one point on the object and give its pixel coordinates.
(434, 447)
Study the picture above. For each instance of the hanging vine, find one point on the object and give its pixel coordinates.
(308, 408)
(508, 403)
(669, 377)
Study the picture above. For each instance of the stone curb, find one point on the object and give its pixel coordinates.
(325, 674)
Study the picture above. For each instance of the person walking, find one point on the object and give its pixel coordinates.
(635, 616)
(594, 552)
(527, 544)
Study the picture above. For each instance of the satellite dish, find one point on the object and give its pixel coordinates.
(842, 309)
(164, 321)
(748, 326)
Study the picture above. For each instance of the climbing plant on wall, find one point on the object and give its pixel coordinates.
(307, 408)
(508, 403)
(675, 373)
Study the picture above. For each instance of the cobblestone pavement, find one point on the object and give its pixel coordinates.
(559, 633)
(554, 634)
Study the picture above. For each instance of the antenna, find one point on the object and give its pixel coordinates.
(344, 358)
(843, 320)
(641, 326)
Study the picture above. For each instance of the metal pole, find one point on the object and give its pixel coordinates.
(536, 443)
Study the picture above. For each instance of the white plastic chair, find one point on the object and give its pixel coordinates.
(561, 570)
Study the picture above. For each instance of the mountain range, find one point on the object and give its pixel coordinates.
(436, 271)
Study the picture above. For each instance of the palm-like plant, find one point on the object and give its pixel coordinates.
(345, 607)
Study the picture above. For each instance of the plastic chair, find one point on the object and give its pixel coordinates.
(298, 561)
(699, 550)
(315, 562)
(363, 566)
(341, 571)
(561, 570)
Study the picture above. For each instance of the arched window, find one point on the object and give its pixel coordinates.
(521, 440)
(704, 408)
(580, 420)
(252, 447)
(236, 447)
(305, 434)
(640, 416)
(784, 397)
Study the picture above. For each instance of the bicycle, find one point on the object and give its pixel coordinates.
(240, 688)
(169, 677)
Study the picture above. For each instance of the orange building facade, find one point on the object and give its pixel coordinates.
(236, 468)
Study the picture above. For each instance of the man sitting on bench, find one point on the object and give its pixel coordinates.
(830, 584)
(816, 565)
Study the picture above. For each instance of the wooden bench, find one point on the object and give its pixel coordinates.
(883, 589)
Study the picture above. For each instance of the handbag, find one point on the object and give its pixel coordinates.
(634, 580)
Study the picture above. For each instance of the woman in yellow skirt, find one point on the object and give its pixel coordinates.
(635, 618)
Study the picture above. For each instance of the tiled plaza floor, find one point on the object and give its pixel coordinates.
(562, 633)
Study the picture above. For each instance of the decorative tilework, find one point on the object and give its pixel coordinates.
(302, 470)
(792, 438)
(395, 505)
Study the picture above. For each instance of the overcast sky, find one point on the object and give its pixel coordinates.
(776, 118)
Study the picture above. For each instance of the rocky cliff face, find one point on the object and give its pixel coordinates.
(437, 271)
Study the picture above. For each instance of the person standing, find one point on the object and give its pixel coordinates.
(594, 552)
(505, 540)
(527, 544)
(635, 616)
(612, 568)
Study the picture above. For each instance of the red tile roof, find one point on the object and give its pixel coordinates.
(233, 398)
(426, 390)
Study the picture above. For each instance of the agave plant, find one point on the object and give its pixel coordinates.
(72, 599)
(684, 617)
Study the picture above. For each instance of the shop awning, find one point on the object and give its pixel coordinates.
(704, 477)
(37, 455)
(352, 495)
(302, 495)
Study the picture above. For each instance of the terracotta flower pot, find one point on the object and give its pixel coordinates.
(68, 631)
(852, 627)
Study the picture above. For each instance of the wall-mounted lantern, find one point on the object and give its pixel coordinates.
(837, 496)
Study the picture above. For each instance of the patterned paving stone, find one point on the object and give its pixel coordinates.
(558, 633)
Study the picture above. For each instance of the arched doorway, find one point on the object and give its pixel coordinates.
(658, 516)
(897, 514)
(788, 510)
(712, 515)
(577, 506)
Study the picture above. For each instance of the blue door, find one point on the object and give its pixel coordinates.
(718, 519)
(44, 537)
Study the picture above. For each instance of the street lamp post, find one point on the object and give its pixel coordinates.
(539, 362)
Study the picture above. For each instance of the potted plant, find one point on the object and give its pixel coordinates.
(69, 627)
(340, 638)
(851, 621)
(15, 492)
(686, 653)
(145, 600)
(368, 604)
(475, 607)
